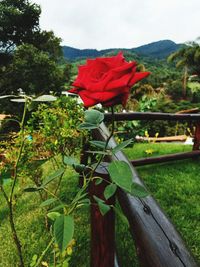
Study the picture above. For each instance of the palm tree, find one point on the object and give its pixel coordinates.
(188, 57)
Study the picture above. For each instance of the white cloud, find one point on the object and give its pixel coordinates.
(120, 23)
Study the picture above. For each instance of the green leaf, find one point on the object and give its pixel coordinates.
(8, 96)
(59, 207)
(48, 202)
(120, 173)
(79, 167)
(110, 190)
(98, 199)
(32, 189)
(45, 98)
(104, 208)
(138, 190)
(100, 144)
(50, 178)
(121, 146)
(69, 161)
(121, 216)
(97, 152)
(6, 174)
(63, 231)
(94, 116)
(87, 126)
(80, 195)
(53, 215)
(98, 181)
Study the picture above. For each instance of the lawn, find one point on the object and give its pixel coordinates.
(175, 185)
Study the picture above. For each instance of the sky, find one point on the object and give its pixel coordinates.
(105, 24)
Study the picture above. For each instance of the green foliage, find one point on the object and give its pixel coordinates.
(28, 55)
(63, 231)
(54, 126)
(174, 89)
(110, 190)
(180, 204)
(19, 20)
(121, 174)
(189, 56)
(92, 119)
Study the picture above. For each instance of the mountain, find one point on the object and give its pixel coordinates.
(159, 50)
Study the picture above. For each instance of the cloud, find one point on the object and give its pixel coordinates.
(117, 23)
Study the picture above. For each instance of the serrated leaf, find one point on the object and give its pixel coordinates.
(100, 144)
(53, 176)
(87, 126)
(53, 215)
(110, 190)
(48, 202)
(94, 116)
(63, 231)
(120, 173)
(69, 161)
(138, 191)
(121, 146)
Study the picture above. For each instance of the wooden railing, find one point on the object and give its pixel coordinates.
(157, 242)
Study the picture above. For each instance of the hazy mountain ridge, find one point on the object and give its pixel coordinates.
(160, 49)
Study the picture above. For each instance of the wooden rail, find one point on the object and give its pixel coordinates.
(157, 242)
(126, 116)
(165, 158)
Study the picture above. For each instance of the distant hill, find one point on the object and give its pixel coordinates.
(160, 49)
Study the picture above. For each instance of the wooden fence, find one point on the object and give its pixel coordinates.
(157, 242)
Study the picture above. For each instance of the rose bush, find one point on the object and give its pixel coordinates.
(106, 80)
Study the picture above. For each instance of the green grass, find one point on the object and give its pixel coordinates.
(175, 186)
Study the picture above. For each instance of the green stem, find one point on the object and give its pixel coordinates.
(10, 200)
(44, 252)
(107, 142)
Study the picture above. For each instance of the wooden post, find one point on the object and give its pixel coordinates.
(102, 227)
(158, 244)
(197, 137)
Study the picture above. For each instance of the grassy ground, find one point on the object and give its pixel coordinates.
(175, 185)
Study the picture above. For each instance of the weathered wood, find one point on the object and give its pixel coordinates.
(102, 227)
(191, 110)
(126, 116)
(165, 158)
(157, 242)
(176, 138)
(197, 137)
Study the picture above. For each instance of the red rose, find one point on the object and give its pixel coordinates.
(106, 80)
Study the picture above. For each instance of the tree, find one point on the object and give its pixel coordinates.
(28, 55)
(19, 19)
(33, 71)
(188, 57)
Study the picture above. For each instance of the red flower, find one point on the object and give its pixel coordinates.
(106, 80)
